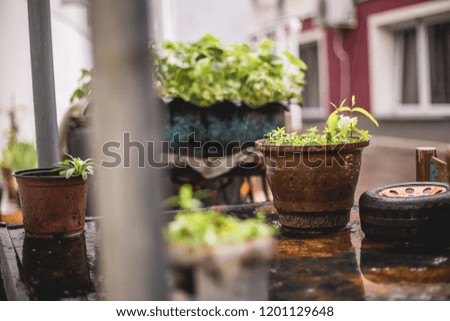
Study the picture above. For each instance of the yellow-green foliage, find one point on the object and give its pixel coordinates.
(341, 128)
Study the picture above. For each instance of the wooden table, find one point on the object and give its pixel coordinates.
(34, 269)
(338, 266)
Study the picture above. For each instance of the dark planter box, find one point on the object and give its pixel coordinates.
(218, 129)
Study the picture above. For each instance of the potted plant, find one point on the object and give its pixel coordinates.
(224, 94)
(229, 257)
(217, 94)
(313, 176)
(53, 200)
(17, 155)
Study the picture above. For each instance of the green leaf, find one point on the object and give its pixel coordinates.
(208, 71)
(74, 167)
(332, 121)
(366, 113)
(70, 172)
(295, 61)
(341, 110)
(340, 128)
(266, 45)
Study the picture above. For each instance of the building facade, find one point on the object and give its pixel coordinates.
(393, 55)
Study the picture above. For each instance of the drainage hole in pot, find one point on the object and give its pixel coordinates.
(394, 192)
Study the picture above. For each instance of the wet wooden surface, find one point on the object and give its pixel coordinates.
(35, 269)
(338, 266)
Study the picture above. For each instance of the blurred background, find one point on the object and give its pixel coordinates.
(393, 55)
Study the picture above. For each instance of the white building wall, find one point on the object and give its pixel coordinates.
(229, 20)
(71, 52)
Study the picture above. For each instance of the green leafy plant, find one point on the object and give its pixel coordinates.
(18, 155)
(75, 167)
(207, 71)
(84, 88)
(341, 128)
(187, 199)
(197, 228)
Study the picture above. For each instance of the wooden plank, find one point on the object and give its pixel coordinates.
(71, 256)
(423, 159)
(14, 287)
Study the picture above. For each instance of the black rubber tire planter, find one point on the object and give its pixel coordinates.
(394, 216)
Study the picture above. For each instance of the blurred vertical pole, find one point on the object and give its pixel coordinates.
(132, 249)
(46, 126)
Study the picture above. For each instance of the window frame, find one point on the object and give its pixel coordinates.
(317, 36)
(385, 53)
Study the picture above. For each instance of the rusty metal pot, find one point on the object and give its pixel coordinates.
(313, 186)
(52, 206)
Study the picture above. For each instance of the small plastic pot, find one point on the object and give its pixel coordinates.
(52, 206)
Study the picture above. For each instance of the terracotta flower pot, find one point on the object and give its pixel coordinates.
(313, 186)
(52, 206)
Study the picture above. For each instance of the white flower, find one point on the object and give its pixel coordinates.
(346, 121)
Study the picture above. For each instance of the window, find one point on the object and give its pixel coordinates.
(312, 51)
(439, 53)
(310, 93)
(406, 40)
(432, 64)
(409, 58)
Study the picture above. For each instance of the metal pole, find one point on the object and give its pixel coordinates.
(132, 249)
(43, 82)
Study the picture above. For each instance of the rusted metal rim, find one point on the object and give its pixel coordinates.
(267, 148)
(412, 191)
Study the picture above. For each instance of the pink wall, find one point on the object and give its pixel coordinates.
(356, 46)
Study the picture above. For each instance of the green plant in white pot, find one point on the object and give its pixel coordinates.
(229, 257)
